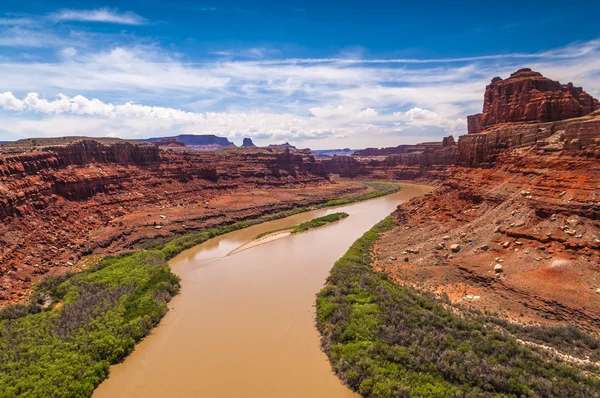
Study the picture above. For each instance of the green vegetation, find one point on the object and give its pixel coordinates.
(319, 222)
(66, 352)
(382, 188)
(95, 317)
(387, 340)
(314, 223)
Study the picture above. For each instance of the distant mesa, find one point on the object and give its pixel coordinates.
(404, 149)
(248, 143)
(328, 153)
(528, 97)
(170, 142)
(202, 142)
(285, 145)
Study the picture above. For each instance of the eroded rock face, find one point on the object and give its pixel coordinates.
(60, 201)
(528, 97)
(474, 123)
(345, 166)
(522, 200)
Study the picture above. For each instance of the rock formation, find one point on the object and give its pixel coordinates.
(345, 166)
(521, 200)
(400, 149)
(199, 142)
(474, 123)
(170, 142)
(248, 143)
(62, 199)
(528, 97)
(285, 145)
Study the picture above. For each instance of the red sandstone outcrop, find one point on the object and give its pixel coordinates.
(514, 226)
(345, 166)
(528, 97)
(63, 199)
(474, 123)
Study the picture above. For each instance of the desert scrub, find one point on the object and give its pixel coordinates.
(380, 188)
(319, 222)
(314, 223)
(388, 340)
(99, 314)
(66, 352)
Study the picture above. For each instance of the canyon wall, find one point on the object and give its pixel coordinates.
(528, 97)
(513, 227)
(63, 199)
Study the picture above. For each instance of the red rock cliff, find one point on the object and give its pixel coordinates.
(528, 97)
(61, 199)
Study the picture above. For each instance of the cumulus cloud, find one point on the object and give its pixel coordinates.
(99, 15)
(139, 91)
(10, 102)
(419, 117)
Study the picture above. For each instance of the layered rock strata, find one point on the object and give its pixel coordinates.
(513, 228)
(63, 200)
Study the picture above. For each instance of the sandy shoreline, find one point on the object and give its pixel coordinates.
(262, 240)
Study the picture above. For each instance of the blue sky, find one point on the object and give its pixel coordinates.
(322, 74)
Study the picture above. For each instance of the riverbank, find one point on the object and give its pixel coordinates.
(387, 340)
(243, 325)
(271, 236)
(103, 312)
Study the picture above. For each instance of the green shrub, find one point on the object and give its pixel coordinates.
(104, 311)
(388, 340)
(319, 222)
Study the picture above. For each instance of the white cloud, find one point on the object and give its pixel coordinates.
(15, 21)
(140, 91)
(68, 52)
(99, 15)
(419, 117)
(9, 102)
(18, 36)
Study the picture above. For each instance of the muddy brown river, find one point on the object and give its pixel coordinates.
(244, 325)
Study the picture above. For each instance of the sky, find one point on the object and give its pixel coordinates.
(319, 74)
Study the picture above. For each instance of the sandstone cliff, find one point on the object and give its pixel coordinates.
(513, 227)
(62, 199)
(528, 97)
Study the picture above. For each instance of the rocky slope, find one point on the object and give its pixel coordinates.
(63, 199)
(513, 227)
